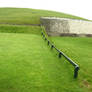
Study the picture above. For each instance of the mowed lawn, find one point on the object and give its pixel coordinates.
(27, 64)
(79, 49)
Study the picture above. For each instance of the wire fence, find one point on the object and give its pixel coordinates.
(60, 53)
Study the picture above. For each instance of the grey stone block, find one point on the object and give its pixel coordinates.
(63, 26)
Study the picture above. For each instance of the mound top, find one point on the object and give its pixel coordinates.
(29, 16)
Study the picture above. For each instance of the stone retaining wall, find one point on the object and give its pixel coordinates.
(66, 27)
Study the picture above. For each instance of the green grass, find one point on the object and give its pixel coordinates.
(20, 29)
(27, 64)
(79, 50)
(29, 16)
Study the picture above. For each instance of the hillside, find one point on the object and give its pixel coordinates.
(27, 64)
(28, 16)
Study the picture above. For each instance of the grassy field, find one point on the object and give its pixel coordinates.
(27, 64)
(28, 16)
(20, 29)
(79, 50)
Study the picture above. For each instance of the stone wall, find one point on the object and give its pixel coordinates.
(66, 27)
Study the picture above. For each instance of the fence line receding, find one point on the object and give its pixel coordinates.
(60, 53)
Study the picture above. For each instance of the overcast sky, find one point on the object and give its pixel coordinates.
(82, 8)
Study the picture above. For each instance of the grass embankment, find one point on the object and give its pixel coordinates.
(29, 16)
(20, 29)
(79, 50)
(27, 64)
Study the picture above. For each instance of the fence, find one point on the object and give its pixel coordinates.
(76, 67)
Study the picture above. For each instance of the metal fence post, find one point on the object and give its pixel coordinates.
(76, 71)
(60, 55)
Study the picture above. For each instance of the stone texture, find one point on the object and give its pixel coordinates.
(66, 27)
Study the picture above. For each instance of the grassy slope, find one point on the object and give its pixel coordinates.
(27, 64)
(28, 16)
(20, 29)
(80, 50)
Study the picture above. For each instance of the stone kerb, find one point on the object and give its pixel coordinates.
(66, 27)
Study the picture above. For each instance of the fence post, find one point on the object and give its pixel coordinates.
(59, 54)
(45, 38)
(76, 71)
(48, 42)
(52, 46)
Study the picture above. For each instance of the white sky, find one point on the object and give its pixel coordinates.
(82, 8)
